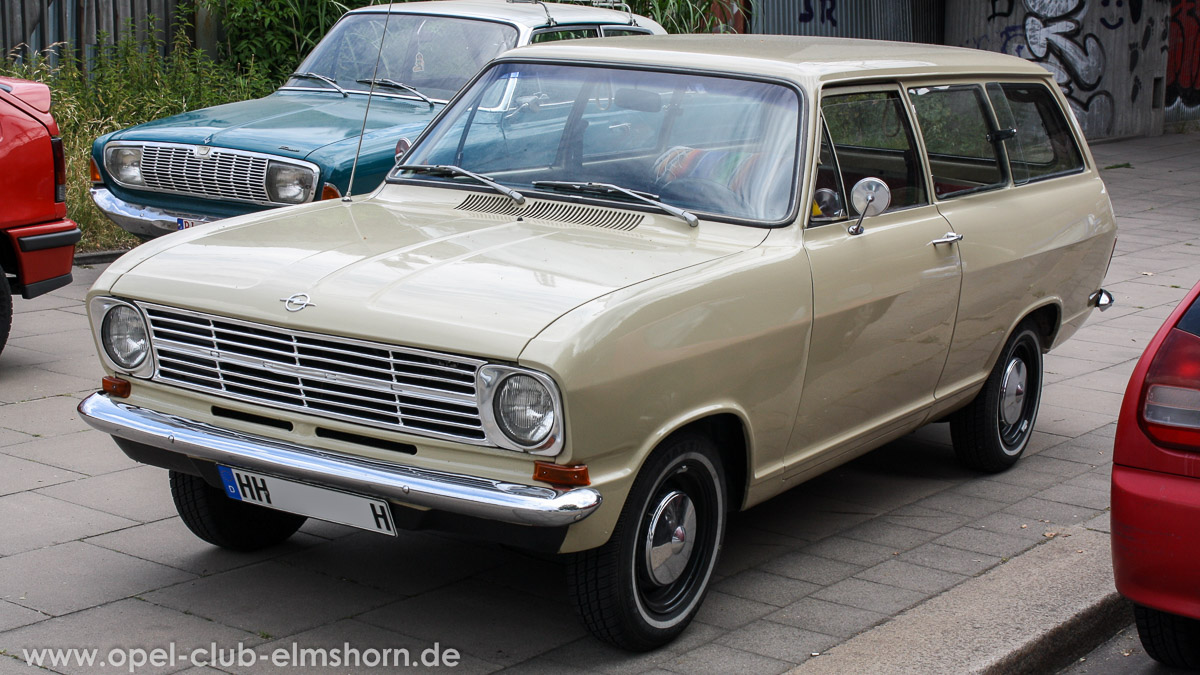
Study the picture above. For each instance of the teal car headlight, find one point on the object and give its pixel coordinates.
(290, 184)
(124, 164)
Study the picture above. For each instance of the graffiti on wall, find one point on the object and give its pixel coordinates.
(1183, 61)
(1053, 34)
(824, 13)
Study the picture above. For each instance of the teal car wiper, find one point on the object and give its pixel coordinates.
(609, 189)
(327, 80)
(451, 170)
(387, 82)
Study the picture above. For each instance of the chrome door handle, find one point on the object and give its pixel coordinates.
(950, 238)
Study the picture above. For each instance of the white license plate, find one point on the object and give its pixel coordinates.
(308, 500)
(185, 223)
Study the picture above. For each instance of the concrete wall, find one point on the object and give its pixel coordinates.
(1183, 63)
(1109, 56)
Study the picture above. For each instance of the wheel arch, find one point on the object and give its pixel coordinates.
(729, 431)
(1048, 320)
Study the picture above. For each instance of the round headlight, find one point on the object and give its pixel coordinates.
(289, 183)
(524, 410)
(125, 165)
(123, 334)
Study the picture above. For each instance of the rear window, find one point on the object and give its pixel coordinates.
(1043, 146)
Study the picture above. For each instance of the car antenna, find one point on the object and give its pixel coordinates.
(370, 94)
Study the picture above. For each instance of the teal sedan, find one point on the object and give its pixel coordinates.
(368, 89)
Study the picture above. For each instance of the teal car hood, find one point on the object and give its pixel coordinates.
(287, 123)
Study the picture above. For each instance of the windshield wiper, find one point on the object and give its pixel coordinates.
(386, 82)
(451, 170)
(609, 188)
(327, 80)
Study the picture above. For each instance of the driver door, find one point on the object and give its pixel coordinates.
(885, 300)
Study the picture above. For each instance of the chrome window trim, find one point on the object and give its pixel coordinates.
(233, 151)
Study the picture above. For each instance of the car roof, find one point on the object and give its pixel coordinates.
(531, 14)
(808, 60)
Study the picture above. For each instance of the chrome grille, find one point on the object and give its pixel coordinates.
(380, 385)
(224, 174)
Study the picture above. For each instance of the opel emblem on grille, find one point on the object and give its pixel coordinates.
(201, 151)
(297, 302)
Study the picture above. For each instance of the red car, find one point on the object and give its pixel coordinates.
(1156, 491)
(37, 242)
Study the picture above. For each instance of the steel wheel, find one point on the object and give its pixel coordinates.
(991, 433)
(642, 588)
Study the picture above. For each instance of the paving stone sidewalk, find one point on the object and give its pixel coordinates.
(92, 555)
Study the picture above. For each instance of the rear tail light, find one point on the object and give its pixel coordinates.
(1170, 410)
(60, 170)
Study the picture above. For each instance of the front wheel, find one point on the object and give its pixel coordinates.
(992, 431)
(641, 589)
(1169, 639)
(226, 522)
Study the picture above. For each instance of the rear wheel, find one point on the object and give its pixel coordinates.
(226, 522)
(992, 431)
(1169, 639)
(643, 587)
(5, 309)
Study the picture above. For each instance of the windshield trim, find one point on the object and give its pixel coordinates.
(516, 43)
(797, 170)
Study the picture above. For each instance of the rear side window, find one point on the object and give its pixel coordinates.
(1043, 146)
(871, 136)
(564, 34)
(954, 123)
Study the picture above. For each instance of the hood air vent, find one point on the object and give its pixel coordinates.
(554, 211)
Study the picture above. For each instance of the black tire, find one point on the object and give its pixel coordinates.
(5, 309)
(1169, 639)
(634, 601)
(991, 433)
(226, 522)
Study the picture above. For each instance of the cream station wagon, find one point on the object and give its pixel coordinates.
(616, 290)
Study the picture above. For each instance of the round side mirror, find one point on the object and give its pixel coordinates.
(871, 196)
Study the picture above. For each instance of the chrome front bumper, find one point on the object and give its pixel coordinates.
(143, 221)
(456, 493)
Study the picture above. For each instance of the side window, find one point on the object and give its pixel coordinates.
(554, 35)
(1043, 146)
(957, 134)
(871, 136)
(829, 196)
(621, 31)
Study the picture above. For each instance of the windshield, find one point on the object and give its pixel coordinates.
(435, 55)
(716, 145)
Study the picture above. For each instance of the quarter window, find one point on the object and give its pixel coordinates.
(957, 133)
(871, 136)
(565, 34)
(1043, 146)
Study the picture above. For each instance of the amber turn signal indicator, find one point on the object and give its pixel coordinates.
(330, 191)
(115, 386)
(95, 172)
(561, 475)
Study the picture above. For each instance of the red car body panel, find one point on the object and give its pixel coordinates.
(38, 242)
(1155, 503)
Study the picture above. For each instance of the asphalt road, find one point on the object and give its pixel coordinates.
(1121, 655)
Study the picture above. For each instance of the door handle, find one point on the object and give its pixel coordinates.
(950, 238)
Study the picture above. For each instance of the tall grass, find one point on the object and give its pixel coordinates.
(128, 83)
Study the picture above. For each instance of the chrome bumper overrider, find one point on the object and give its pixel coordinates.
(456, 493)
(144, 221)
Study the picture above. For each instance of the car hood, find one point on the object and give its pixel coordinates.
(288, 123)
(413, 271)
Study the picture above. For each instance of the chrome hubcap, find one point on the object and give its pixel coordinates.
(669, 541)
(1012, 392)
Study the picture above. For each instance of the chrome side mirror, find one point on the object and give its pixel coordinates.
(870, 197)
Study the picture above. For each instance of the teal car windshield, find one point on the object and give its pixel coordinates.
(436, 55)
(717, 145)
